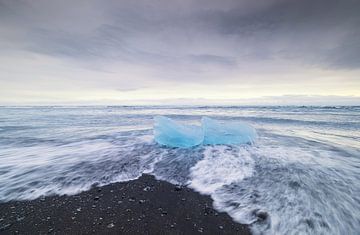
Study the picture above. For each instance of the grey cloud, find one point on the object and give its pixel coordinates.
(187, 34)
(347, 54)
(289, 15)
(212, 59)
(178, 48)
(322, 32)
(58, 43)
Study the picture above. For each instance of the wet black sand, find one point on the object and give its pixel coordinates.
(143, 206)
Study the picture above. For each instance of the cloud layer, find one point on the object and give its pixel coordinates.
(178, 49)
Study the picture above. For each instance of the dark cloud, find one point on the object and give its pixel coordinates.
(324, 33)
(346, 54)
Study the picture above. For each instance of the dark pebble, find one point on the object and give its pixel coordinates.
(5, 227)
(157, 206)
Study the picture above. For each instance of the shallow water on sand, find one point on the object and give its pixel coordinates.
(302, 175)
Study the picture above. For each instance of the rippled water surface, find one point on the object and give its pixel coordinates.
(301, 176)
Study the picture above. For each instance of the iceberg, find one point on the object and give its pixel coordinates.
(216, 132)
(170, 133)
(211, 132)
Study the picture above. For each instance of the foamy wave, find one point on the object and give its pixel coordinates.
(221, 165)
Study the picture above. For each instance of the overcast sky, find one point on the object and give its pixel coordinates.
(116, 51)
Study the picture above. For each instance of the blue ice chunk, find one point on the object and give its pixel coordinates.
(170, 133)
(216, 132)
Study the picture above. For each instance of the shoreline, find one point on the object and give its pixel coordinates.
(141, 206)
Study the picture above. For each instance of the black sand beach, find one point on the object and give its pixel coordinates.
(142, 206)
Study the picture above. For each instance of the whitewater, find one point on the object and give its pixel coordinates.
(300, 176)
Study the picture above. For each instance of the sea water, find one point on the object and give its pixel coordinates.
(300, 176)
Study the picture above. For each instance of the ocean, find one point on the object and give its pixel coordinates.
(300, 176)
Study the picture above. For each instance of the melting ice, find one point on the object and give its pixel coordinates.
(216, 132)
(170, 133)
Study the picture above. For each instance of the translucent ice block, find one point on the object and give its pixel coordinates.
(170, 133)
(216, 132)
